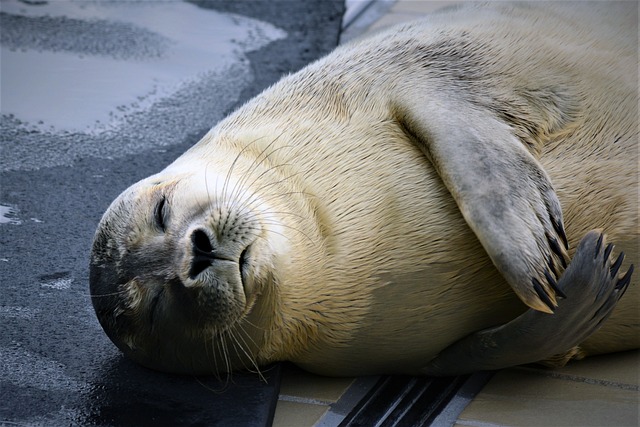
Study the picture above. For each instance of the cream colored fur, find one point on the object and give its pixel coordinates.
(397, 273)
(381, 271)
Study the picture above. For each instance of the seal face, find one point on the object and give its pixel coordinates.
(175, 267)
(383, 209)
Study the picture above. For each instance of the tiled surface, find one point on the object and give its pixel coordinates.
(304, 397)
(299, 383)
(599, 391)
(295, 414)
(621, 369)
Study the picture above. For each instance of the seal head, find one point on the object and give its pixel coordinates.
(176, 270)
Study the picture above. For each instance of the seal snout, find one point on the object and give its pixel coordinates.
(204, 254)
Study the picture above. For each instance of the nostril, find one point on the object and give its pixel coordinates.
(201, 242)
(202, 253)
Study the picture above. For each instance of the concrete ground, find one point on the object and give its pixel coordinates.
(599, 391)
(95, 96)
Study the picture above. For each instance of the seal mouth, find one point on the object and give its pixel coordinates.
(243, 264)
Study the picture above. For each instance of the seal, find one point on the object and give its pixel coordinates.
(407, 204)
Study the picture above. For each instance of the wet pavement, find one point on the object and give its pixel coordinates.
(93, 98)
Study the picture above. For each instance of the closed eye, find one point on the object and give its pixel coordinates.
(159, 214)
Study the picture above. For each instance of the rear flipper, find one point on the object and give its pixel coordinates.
(592, 288)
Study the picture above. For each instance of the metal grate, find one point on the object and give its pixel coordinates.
(405, 401)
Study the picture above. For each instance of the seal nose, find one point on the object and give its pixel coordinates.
(201, 242)
(202, 251)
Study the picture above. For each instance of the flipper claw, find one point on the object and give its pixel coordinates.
(623, 283)
(554, 284)
(557, 226)
(616, 265)
(598, 245)
(555, 247)
(607, 251)
(544, 297)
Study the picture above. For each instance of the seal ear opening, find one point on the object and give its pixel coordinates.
(503, 192)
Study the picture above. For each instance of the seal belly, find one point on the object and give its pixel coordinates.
(411, 261)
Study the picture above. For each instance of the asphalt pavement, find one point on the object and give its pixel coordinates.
(95, 96)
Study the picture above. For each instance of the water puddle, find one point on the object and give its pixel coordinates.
(84, 66)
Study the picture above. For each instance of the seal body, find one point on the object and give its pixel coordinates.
(366, 213)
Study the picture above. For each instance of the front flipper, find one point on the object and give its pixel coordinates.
(502, 191)
(592, 287)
